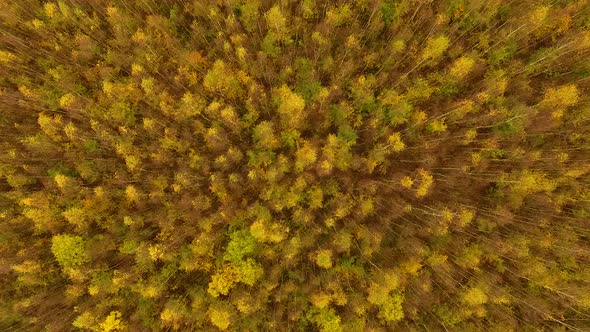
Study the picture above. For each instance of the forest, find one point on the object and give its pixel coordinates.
(295, 165)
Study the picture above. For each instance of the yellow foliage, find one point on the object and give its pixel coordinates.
(37, 24)
(305, 156)
(435, 47)
(377, 294)
(538, 15)
(276, 21)
(366, 206)
(420, 117)
(219, 318)
(112, 322)
(437, 126)
(241, 53)
(132, 194)
(268, 232)
(26, 91)
(502, 299)
(222, 281)
(132, 162)
(461, 67)
(27, 266)
(338, 295)
(470, 135)
(562, 157)
(465, 217)
(475, 158)
(156, 251)
(406, 182)
(290, 107)
(483, 97)
(412, 266)
(396, 143)
(474, 296)
(583, 300)
(147, 84)
(426, 181)
(50, 9)
(337, 16)
(378, 291)
(563, 96)
(67, 100)
(352, 42)
(93, 290)
(398, 45)
(150, 291)
(6, 57)
(531, 182)
(85, 321)
(391, 310)
(172, 315)
(321, 300)
(447, 214)
(70, 130)
(391, 280)
(583, 41)
(61, 180)
(127, 220)
(136, 69)
(249, 272)
(436, 259)
(50, 125)
(557, 114)
(317, 37)
(75, 216)
(324, 258)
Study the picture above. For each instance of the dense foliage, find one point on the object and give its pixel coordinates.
(313, 165)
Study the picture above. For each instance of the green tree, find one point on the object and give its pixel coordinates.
(241, 244)
(69, 250)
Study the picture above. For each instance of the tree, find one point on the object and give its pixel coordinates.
(220, 79)
(220, 316)
(563, 96)
(435, 47)
(391, 310)
(426, 181)
(339, 15)
(69, 250)
(76, 216)
(336, 153)
(276, 21)
(305, 156)
(305, 165)
(249, 272)
(461, 67)
(112, 322)
(264, 136)
(326, 319)
(290, 107)
(266, 231)
(474, 296)
(240, 245)
(324, 258)
(249, 14)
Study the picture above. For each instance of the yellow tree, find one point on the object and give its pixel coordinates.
(290, 107)
(435, 47)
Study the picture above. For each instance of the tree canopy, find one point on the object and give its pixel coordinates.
(312, 165)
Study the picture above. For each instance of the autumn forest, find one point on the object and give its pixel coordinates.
(295, 165)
